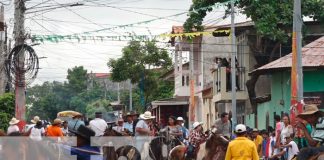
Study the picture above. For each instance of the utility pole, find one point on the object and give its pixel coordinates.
(233, 69)
(2, 52)
(130, 96)
(192, 86)
(19, 36)
(297, 66)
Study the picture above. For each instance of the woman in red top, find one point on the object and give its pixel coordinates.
(197, 136)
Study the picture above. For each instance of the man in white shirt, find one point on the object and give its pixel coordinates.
(13, 126)
(291, 148)
(120, 126)
(98, 125)
(142, 129)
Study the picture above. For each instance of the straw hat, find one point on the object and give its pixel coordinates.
(147, 115)
(196, 124)
(35, 119)
(14, 121)
(57, 121)
(310, 109)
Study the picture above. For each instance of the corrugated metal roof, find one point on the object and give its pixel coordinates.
(312, 56)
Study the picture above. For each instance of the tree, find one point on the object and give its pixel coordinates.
(77, 79)
(273, 23)
(7, 109)
(142, 63)
(48, 99)
(100, 105)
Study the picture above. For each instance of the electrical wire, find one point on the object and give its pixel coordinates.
(136, 12)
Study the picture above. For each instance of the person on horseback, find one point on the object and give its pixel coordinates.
(143, 130)
(173, 129)
(241, 147)
(76, 122)
(129, 123)
(196, 137)
(120, 127)
(98, 124)
(316, 139)
(185, 132)
(223, 125)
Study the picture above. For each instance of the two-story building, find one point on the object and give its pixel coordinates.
(211, 63)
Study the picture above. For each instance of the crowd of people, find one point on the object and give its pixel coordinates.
(284, 142)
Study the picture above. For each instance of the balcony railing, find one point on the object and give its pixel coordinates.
(223, 82)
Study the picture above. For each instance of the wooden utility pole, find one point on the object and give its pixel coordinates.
(19, 36)
(2, 52)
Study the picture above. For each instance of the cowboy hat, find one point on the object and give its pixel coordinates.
(133, 113)
(84, 132)
(147, 115)
(310, 109)
(35, 119)
(14, 121)
(57, 121)
(196, 124)
(128, 114)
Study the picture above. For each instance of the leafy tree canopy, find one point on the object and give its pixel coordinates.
(272, 18)
(7, 109)
(142, 63)
(77, 79)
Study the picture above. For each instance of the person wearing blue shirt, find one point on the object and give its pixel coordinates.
(129, 123)
(185, 137)
(75, 123)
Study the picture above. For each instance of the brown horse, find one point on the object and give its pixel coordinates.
(213, 149)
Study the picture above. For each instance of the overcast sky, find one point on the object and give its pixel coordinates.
(95, 15)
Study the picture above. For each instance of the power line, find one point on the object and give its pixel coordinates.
(135, 12)
(140, 8)
(76, 22)
(84, 17)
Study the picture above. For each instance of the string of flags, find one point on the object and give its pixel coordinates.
(86, 35)
(79, 38)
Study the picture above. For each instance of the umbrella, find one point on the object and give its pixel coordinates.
(68, 114)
